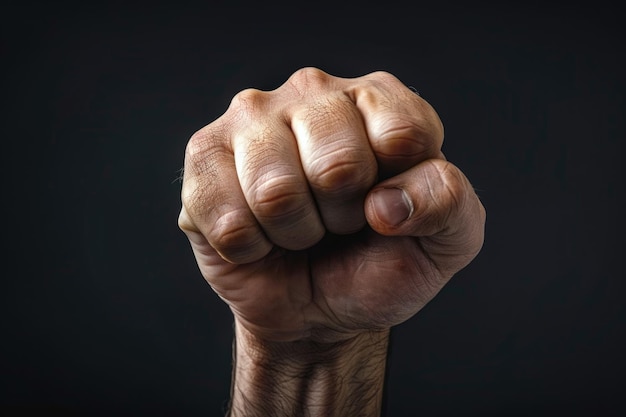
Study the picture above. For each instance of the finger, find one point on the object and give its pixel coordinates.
(211, 263)
(274, 184)
(334, 150)
(213, 202)
(436, 202)
(402, 127)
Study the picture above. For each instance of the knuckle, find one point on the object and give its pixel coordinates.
(277, 198)
(233, 232)
(402, 136)
(373, 93)
(206, 146)
(398, 108)
(338, 173)
(197, 145)
(194, 199)
(334, 118)
(201, 181)
(249, 101)
(384, 77)
(307, 78)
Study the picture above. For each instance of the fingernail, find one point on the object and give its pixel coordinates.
(392, 205)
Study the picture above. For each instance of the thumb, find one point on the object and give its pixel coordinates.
(435, 202)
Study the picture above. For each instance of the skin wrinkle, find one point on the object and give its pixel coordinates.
(234, 234)
(440, 222)
(455, 207)
(282, 297)
(466, 250)
(432, 279)
(227, 232)
(341, 176)
(412, 133)
(316, 298)
(326, 117)
(413, 268)
(453, 194)
(421, 260)
(374, 91)
(275, 198)
(369, 268)
(204, 163)
(326, 311)
(266, 162)
(305, 319)
(321, 129)
(366, 99)
(312, 377)
(274, 186)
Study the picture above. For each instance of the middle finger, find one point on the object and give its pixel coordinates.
(336, 158)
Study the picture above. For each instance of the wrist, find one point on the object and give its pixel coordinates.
(308, 378)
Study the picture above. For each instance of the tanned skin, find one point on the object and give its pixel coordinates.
(324, 213)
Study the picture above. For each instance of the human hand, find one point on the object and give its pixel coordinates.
(325, 208)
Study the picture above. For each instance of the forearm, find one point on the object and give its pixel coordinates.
(276, 379)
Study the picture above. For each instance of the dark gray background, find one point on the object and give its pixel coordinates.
(103, 309)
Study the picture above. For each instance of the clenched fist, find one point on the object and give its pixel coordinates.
(324, 213)
(326, 208)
